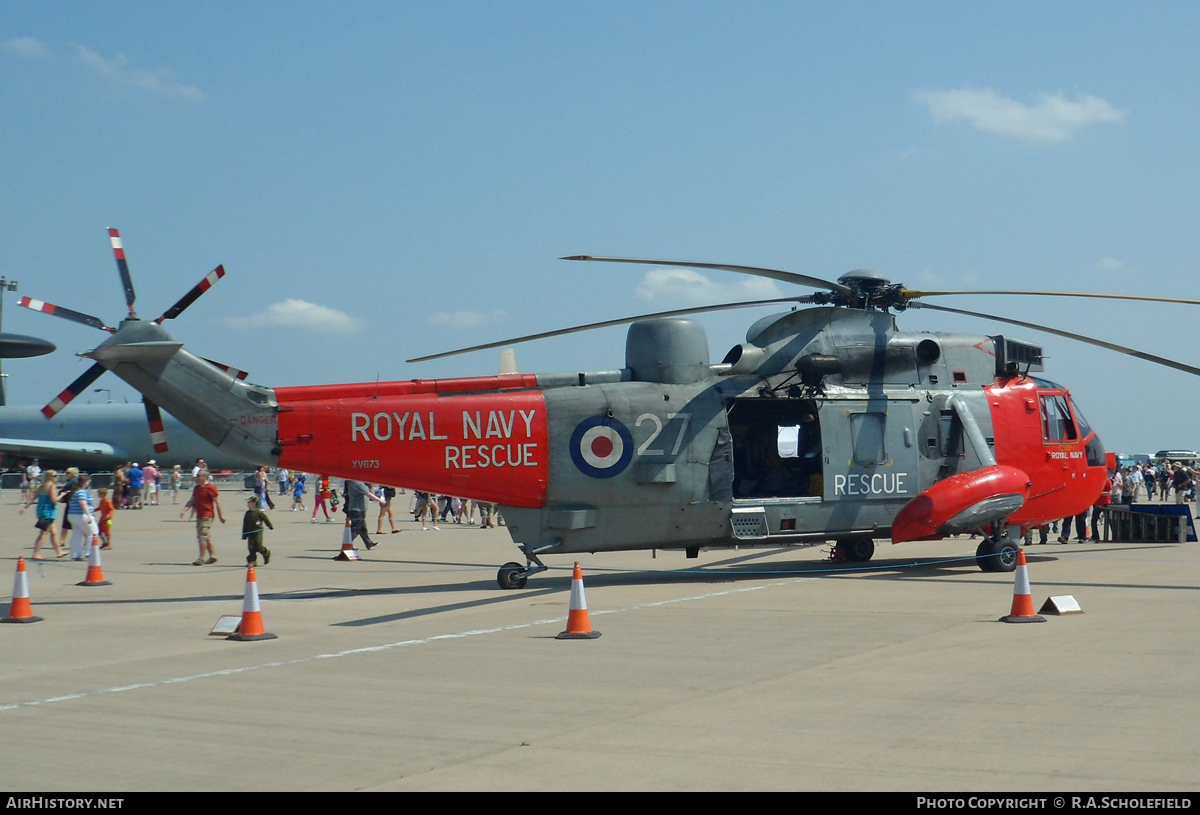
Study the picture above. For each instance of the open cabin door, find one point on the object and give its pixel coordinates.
(777, 448)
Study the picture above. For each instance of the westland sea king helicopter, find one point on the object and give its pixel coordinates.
(828, 424)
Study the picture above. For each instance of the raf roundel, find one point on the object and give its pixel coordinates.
(601, 447)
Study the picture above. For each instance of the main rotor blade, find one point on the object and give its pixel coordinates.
(158, 436)
(1120, 349)
(200, 288)
(609, 323)
(114, 237)
(74, 389)
(777, 274)
(65, 313)
(908, 293)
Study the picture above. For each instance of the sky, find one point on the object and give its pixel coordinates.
(386, 180)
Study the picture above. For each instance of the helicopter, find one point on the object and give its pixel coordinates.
(829, 424)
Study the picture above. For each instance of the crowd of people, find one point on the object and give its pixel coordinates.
(134, 487)
(1125, 485)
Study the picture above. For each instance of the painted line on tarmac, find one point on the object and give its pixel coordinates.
(370, 649)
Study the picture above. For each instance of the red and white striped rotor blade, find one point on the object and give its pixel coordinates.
(200, 288)
(158, 435)
(114, 237)
(229, 369)
(65, 313)
(74, 389)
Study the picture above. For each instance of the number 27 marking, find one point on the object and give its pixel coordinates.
(643, 449)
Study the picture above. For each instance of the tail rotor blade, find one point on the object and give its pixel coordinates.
(74, 389)
(114, 237)
(158, 435)
(65, 313)
(200, 288)
(229, 369)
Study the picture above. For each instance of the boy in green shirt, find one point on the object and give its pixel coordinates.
(252, 531)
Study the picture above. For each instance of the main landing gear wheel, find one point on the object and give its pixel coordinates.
(510, 577)
(861, 549)
(997, 556)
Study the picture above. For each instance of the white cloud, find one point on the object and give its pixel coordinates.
(689, 287)
(463, 320)
(26, 47)
(159, 82)
(299, 314)
(1109, 265)
(1053, 119)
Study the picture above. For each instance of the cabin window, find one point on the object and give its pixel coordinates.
(867, 431)
(1057, 424)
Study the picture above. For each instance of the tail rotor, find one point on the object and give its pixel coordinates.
(158, 435)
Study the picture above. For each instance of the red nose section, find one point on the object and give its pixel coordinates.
(962, 502)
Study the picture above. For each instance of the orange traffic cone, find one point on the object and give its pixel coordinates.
(578, 626)
(21, 611)
(95, 575)
(251, 627)
(348, 551)
(1022, 607)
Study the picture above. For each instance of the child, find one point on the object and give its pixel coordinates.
(298, 491)
(106, 515)
(252, 531)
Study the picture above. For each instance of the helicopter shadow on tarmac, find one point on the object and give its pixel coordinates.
(730, 570)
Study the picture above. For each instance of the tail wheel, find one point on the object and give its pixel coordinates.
(510, 577)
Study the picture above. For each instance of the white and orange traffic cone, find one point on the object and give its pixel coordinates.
(578, 626)
(95, 575)
(348, 551)
(251, 627)
(1022, 606)
(21, 611)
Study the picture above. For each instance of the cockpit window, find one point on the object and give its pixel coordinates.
(1085, 429)
(1057, 424)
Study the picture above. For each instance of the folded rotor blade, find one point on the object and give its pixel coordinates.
(1120, 349)
(65, 313)
(114, 237)
(74, 389)
(623, 321)
(908, 293)
(786, 277)
(158, 436)
(200, 288)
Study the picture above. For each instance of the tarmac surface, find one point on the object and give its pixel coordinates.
(749, 669)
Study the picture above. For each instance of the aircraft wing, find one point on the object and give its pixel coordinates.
(86, 452)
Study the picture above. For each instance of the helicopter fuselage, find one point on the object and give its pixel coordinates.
(589, 462)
